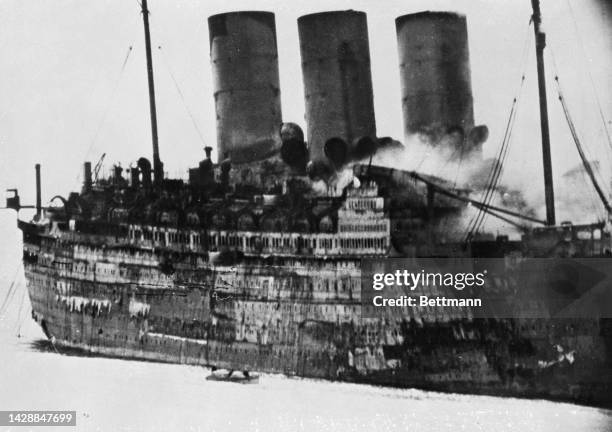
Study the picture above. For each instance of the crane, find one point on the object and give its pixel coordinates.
(98, 166)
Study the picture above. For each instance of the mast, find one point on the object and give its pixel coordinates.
(540, 40)
(158, 166)
(38, 193)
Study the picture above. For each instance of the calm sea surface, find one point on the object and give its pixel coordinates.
(120, 395)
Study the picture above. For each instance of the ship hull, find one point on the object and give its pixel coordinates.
(168, 330)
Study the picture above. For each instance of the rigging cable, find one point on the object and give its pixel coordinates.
(495, 182)
(111, 99)
(586, 151)
(107, 108)
(494, 175)
(10, 293)
(178, 89)
(591, 171)
(19, 321)
(8, 298)
(601, 114)
(556, 70)
(594, 201)
(587, 165)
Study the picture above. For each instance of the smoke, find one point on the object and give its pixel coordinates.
(460, 165)
(575, 196)
(445, 158)
(336, 183)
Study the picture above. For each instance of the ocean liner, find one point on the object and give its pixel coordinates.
(254, 263)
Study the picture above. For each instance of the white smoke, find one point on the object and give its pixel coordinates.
(448, 160)
(334, 186)
(444, 159)
(575, 196)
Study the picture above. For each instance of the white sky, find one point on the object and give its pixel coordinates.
(59, 63)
